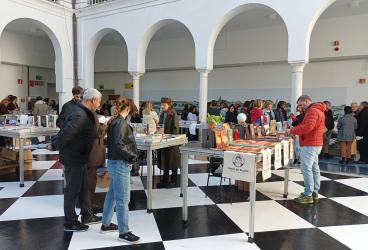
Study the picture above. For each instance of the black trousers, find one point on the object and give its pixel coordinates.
(76, 178)
(363, 149)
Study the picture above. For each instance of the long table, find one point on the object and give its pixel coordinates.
(21, 133)
(150, 146)
(197, 149)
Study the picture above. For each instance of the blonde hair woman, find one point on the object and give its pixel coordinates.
(150, 117)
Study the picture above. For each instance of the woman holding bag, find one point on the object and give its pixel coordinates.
(122, 154)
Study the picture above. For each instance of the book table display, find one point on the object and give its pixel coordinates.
(150, 143)
(25, 132)
(239, 148)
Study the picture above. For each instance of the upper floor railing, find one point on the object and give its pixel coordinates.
(80, 3)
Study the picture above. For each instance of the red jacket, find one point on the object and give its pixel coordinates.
(313, 125)
(255, 114)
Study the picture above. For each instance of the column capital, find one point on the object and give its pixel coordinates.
(204, 71)
(298, 66)
(136, 75)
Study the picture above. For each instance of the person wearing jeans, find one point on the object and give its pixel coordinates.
(118, 195)
(122, 154)
(310, 132)
(310, 169)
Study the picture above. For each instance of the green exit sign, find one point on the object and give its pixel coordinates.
(39, 78)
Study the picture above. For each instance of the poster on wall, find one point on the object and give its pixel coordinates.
(20, 81)
(31, 83)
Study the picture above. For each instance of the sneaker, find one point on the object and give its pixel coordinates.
(75, 227)
(110, 228)
(92, 220)
(303, 199)
(315, 196)
(129, 237)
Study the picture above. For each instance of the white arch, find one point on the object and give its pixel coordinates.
(138, 63)
(89, 55)
(216, 29)
(315, 18)
(54, 40)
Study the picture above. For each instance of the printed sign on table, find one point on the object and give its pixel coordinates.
(278, 156)
(266, 164)
(239, 166)
(291, 149)
(286, 152)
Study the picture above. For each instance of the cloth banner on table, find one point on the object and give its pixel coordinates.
(239, 166)
(291, 149)
(278, 156)
(266, 164)
(285, 147)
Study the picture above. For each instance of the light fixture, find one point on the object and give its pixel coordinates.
(354, 4)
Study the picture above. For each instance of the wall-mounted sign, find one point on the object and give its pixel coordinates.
(20, 81)
(31, 83)
(39, 78)
(128, 85)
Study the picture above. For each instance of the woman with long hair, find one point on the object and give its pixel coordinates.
(169, 158)
(280, 112)
(122, 154)
(133, 116)
(150, 117)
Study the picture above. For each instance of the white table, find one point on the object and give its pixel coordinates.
(150, 146)
(21, 133)
(196, 148)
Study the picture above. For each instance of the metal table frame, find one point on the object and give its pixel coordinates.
(22, 133)
(195, 149)
(149, 147)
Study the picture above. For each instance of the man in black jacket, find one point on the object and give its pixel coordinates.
(362, 131)
(74, 141)
(68, 107)
(330, 125)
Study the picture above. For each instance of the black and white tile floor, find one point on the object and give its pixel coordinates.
(32, 217)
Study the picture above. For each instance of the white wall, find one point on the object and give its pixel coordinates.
(19, 51)
(334, 80)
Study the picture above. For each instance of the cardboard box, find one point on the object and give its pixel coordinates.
(103, 180)
(7, 167)
(14, 154)
(242, 185)
(201, 157)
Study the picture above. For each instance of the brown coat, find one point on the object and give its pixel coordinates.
(169, 158)
(97, 155)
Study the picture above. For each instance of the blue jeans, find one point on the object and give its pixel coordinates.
(310, 169)
(118, 195)
(297, 148)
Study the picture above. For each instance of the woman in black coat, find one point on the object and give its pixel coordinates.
(362, 131)
(280, 112)
(231, 115)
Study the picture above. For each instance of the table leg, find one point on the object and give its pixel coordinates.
(149, 180)
(252, 203)
(181, 175)
(21, 162)
(286, 181)
(184, 186)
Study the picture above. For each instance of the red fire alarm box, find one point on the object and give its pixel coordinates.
(20, 81)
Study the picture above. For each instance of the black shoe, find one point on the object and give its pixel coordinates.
(110, 228)
(75, 227)
(92, 220)
(129, 237)
(349, 161)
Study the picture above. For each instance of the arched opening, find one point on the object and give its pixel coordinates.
(111, 75)
(170, 70)
(338, 65)
(250, 56)
(31, 63)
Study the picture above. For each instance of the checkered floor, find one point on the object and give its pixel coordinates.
(32, 217)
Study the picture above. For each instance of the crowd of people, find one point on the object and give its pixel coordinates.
(353, 124)
(80, 142)
(38, 106)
